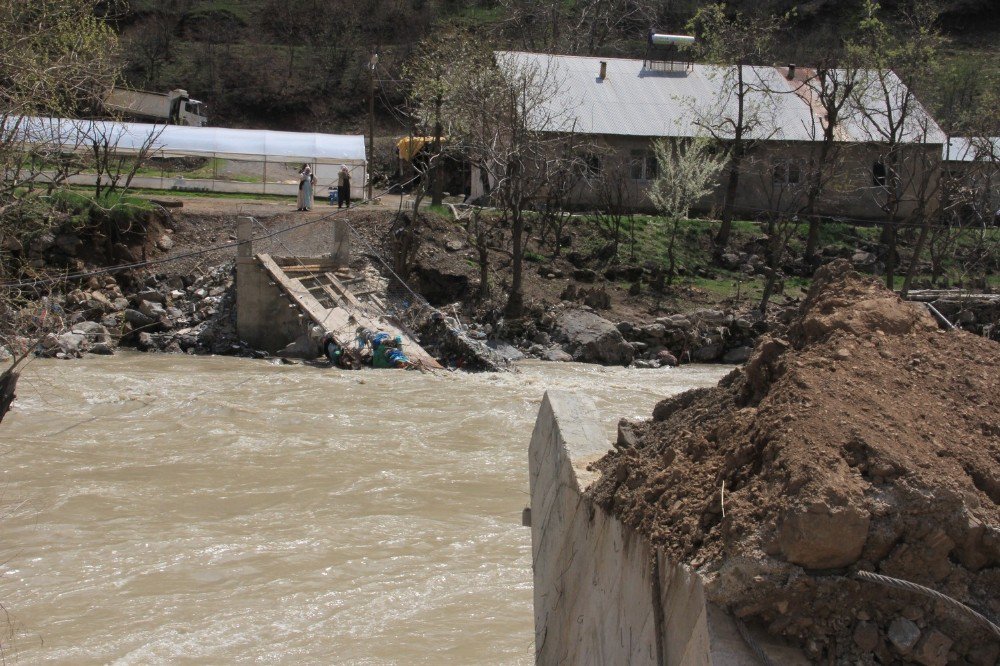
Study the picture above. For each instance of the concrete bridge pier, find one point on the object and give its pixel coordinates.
(264, 320)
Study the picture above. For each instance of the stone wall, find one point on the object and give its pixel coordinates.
(602, 593)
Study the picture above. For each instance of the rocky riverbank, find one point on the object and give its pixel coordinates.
(169, 313)
(615, 315)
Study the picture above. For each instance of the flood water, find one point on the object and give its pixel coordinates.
(161, 508)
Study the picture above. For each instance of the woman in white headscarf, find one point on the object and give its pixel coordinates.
(306, 180)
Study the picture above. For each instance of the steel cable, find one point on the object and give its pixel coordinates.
(900, 584)
(751, 642)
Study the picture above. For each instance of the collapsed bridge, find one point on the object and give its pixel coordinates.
(279, 299)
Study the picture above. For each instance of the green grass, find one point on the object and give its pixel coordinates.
(78, 198)
(143, 194)
(477, 16)
(441, 211)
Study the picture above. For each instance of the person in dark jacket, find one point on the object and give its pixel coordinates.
(344, 187)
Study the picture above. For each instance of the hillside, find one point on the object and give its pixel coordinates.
(302, 66)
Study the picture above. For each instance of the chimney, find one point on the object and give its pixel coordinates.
(604, 70)
(791, 71)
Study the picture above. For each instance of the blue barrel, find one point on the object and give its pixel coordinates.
(334, 196)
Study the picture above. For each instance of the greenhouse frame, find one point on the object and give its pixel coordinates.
(212, 159)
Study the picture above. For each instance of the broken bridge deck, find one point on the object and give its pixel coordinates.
(329, 303)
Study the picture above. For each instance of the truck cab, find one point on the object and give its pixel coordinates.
(192, 112)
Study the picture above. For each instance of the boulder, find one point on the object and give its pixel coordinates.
(737, 355)
(138, 319)
(821, 537)
(556, 354)
(675, 321)
(655, 332)
(152, 309)
(41, 243)
(593, 339)
(707, 353)
(599, 299)
(303, 347)
(932, 650)
(866, 636)
(666, 358)
(584, 275)
(145, 342)
(708, 317)
(72, 344)
(864, 260)
(903, 634)
(68, 243)
(505, 350)
(92, 331)
(102, 348)
(165, 243)
(151, 295)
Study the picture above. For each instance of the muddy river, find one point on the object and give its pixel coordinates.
(160, 508)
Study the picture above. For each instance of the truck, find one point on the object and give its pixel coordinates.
(175, 107)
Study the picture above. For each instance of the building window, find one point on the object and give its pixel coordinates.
(786, 172)
(643, 165)
(591, 165)
(879, 174)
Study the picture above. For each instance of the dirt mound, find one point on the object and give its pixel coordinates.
(869, 440)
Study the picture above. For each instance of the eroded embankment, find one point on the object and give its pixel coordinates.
(868, 440)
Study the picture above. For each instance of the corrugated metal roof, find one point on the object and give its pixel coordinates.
(181, 140)
(971, 149)
(633, 101)
(877, 106)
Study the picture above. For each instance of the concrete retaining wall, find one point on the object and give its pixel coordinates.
(602, 593)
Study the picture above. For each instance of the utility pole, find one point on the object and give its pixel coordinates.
(371, 120)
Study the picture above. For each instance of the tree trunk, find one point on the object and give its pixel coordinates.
(732, 185)
(437, 177)
(911, 271)
(515, 302)
(772, 280)
(812, 241)
(671, 257)
(889, 238)
(484, 272)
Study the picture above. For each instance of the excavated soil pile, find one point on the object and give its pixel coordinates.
(866, 440)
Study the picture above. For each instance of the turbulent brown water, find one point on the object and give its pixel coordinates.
(161, 508)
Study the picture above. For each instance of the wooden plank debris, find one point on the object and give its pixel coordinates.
(347, 313)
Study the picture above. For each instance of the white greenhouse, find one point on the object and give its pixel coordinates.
(213, 159)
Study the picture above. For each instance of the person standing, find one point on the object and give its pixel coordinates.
(344, 187)
(306, 182)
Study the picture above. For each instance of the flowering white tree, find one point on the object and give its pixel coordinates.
(688, 171)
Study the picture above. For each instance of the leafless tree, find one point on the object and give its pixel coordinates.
(828, 88)
(735, 42)
(908, 166)
(785, 196)
(113, 165)
(576, 27)
(616, 205)
(517, 139)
